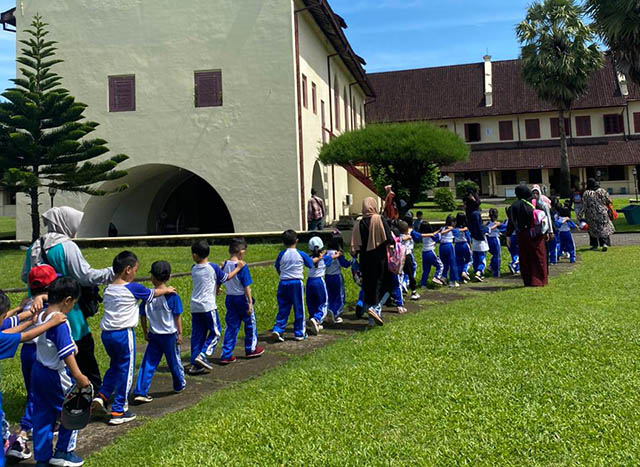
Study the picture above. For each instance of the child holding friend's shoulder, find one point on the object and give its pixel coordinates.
(162, 326)
(429, 257)
(290, 265)
(317, 295)
(121, 316)
(240, 304)
(409, 238)
(493, 239)
(53, 375)
(205, 322)
(334, 279)
(447, 251)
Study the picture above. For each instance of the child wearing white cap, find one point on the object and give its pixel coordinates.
(317, 296)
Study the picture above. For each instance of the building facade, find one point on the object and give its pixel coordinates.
(514, 137)
(221, 105)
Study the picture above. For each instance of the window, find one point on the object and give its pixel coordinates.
(508, 177)
(323, 116)
(617, 173)
(532, 128)
(122, 93)
(636, 122)
(555, 127)
(472, 132)
(314, 98)
(506, 130)
(444, 127)
(305, 97)
(613, 124)
(583, 125)
(208, 88)
(535, 176)
(346, 110)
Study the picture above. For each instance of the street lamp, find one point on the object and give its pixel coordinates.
(635, 180)
(52, 192)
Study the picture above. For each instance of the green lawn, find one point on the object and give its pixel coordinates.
(434, 213)
(7, 226)
(522, 377)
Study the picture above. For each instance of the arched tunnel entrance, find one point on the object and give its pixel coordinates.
(161, 200)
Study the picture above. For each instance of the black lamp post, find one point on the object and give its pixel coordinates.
(635, 180)
(52, 192)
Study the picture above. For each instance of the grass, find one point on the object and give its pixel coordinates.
(7, 226)
(523, 377)
(433, 213)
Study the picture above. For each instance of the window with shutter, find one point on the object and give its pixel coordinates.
(472, 132)
(613, 124)
(636, 122)
(506, 130)
(208, 88)
(314, 98)
(583, 125)
(555, 127)
(122, 93)
(532, 128)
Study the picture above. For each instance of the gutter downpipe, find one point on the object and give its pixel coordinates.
(353, 119)
(333, 167)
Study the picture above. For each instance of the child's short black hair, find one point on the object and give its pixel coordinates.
(425, 227)
(5, 303)
(408, 218)
(200, 248)
(461, 220)
(336, 242)
(493, 214)
(419, 213)
(403, 227)
(289, 238)
(124, 260)
(237, 245)
(64, 287)
(563, 211)
(450, 221)
(161, 270)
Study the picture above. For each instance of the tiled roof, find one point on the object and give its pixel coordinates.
(594, 155)
(458, 92)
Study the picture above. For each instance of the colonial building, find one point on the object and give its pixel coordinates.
(221, 105)
(514, 137)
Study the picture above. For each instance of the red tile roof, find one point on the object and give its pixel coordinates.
(458, 92)
(594, 155)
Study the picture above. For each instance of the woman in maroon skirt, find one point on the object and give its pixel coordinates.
(533, 249)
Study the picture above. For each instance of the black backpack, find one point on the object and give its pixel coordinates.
(90, 299)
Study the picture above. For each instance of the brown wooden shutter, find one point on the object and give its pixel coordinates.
(466, 132)
(555, 128)
(532, 127)
(583, 125)
(636, 122)
(122, 93)
(506, 130)
(208, 88)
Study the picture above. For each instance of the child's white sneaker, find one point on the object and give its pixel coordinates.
(465, 276)
(479, 277)
(277, 336)
(313, 327)
(415, 296)
(437, 281)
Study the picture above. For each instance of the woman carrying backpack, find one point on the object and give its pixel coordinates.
(369, 242)
(529, 224)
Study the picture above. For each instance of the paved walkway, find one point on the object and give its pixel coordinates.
(98, 434)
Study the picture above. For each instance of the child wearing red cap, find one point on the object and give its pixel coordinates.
(40, 277)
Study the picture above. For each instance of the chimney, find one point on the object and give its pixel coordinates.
(488, 81)
(622, 83)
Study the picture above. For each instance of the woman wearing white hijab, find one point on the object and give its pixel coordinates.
(66, 258)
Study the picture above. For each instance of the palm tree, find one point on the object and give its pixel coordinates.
(558, 58)
(618, 23)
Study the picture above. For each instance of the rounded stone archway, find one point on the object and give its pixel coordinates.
(161, 199)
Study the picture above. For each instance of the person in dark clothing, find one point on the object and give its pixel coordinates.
(478, 232)
(371, 236)
(533, 249)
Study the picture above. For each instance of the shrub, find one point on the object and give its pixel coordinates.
(465, 186)
(443, 197)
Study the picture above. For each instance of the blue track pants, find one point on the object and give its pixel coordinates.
(238, 314)
(160, 345)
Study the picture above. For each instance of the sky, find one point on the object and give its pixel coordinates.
(398, 34)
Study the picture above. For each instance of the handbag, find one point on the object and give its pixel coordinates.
(90, 299)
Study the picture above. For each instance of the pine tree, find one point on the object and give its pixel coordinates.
(43, 131)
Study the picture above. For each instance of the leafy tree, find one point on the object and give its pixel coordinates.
(443, 197)
(405, 155)
(466, 186)
(618, 23)
(558, 58)
(43, 131)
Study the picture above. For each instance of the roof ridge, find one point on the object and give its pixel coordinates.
(459, 65)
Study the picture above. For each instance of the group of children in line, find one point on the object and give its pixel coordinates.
(47, 357)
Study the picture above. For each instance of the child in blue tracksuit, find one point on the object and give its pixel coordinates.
(317, 295)
(493, 238)
(429, 257)
(396, 287)
(335, 280)
(409, 239)
(240, 307)
(205, 321)
(564, 225)
(162, 326)
(290, 265)
(512, 246)
(447, 252)
(10, 338)
(462, 245)
(53, 375)
(121, 315)
(357, 278)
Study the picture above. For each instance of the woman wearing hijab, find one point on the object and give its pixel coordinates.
(65, 257)
(533, 249)
(371, 236)
(596, 203)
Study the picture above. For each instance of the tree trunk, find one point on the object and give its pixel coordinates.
(565, 169)
(35, 210)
